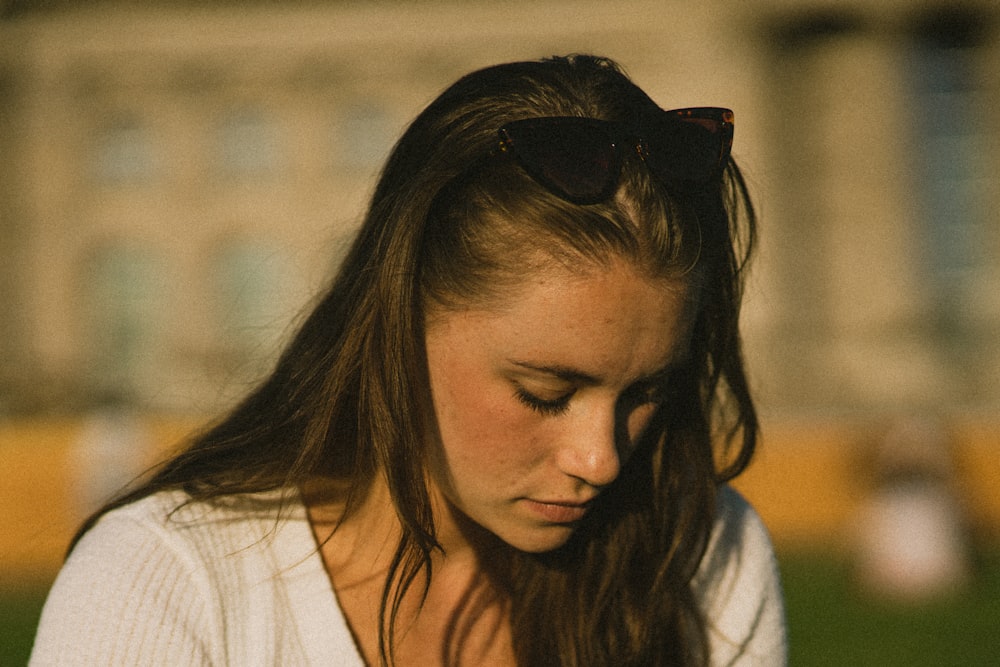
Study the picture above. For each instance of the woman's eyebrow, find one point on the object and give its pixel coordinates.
(562, 372)
(579, 377)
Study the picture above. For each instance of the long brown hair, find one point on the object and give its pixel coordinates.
(452, 223)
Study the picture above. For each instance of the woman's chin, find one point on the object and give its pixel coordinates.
(539, 540)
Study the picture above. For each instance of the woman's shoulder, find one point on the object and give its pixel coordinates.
(178, 508)
(170, 576)
(739, 549)
(739, 587)
(188, 534)
(178, 513)
(212, 536)
(738, 529)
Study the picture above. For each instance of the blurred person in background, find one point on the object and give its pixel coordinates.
(502, 437)
(912, 542)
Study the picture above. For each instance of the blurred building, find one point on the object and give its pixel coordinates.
(178, 179)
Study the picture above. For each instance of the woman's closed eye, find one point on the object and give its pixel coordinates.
(634, 397)
(545, 406)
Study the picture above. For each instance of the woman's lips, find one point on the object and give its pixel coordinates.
(556, 511)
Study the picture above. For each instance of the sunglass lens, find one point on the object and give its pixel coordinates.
(574, 157)
(687, 149)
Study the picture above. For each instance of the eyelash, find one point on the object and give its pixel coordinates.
(541, 406)
(653, 394)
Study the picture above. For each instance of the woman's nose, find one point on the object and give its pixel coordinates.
(589, 450)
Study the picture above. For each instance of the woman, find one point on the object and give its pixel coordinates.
(503, 435)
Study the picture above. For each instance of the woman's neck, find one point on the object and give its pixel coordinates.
(464, 616)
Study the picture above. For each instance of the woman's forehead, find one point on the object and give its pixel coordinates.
(590, 285)
(525, 264)
(615, 324)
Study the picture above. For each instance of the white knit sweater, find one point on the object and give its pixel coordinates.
(152, 584)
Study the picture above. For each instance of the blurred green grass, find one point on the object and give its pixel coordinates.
(19, 612)
(829, 622)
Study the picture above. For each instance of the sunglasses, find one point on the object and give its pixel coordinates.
(580, 159)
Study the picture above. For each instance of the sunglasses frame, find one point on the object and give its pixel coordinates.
(646, 138)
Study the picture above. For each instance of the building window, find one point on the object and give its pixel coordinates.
(124, 153)
(122, 311)
(364, 136)
(248, 144)
(950, 145)
(253, 285)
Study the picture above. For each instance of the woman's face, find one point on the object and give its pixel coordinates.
(540, 400)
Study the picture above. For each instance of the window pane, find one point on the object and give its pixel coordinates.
(253, 287)
(124, 290)
(365, 136)
(248, 144)
(124, 153)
